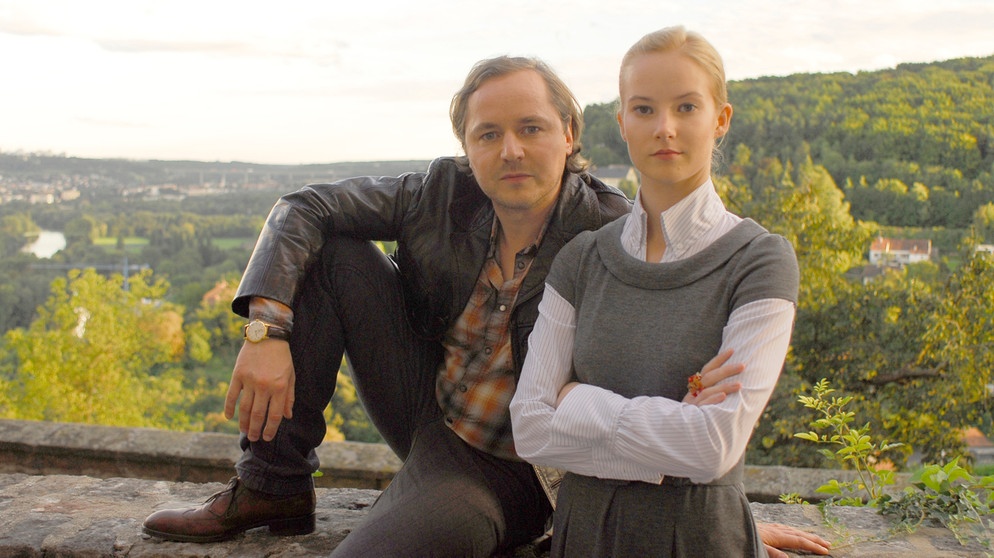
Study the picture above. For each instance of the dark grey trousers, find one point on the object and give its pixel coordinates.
(449, 499)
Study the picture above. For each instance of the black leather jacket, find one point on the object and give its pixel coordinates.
(441, 222)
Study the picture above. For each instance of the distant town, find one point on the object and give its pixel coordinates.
(52, 179)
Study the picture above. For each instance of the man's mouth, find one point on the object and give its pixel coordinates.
(514, 176)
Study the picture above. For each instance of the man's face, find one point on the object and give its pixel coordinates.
(516, 142)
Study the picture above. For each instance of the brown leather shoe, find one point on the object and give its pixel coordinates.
(234, 510)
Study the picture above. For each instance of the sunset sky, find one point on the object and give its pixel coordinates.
(314, 82)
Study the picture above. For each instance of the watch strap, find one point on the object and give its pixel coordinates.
(270, 331)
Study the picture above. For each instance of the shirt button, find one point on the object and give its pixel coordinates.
(449, 421)
(521, 265)
(463, 388)
(502, 307)
(488, 350)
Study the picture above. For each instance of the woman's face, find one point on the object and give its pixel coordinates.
(670, 121)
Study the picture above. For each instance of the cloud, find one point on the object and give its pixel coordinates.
(111, 123)
(23, 27)
(151, 45)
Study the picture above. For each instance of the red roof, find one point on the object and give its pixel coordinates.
(912, 245)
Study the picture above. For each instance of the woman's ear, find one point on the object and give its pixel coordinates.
(621, 125)
(724, 121)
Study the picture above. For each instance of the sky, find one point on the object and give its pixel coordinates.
(305, 81)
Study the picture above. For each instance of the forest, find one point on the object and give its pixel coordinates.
(830, 161)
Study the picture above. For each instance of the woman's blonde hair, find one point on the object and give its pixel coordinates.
(689, 43)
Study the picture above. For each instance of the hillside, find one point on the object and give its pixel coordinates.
(918, 131)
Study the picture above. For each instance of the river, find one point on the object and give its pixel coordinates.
(47, 244)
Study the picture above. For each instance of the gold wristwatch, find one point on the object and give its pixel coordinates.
(258, 330)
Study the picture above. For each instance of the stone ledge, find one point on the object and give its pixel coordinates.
(70, 516)
(51, 448)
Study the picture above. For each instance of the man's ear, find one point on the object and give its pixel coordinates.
(569, 135)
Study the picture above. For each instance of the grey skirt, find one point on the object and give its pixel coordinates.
(607, 518)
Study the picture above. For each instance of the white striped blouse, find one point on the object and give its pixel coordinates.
(599, 433)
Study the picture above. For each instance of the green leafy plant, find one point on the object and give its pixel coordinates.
(853, 448)
(947, 493)
(951, 495)
(792, 498)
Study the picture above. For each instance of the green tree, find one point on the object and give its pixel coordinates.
(983, 223)
(99, 354)
(960, 339)
(82, 230)
(602, 142)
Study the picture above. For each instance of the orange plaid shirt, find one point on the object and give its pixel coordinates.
(477, 380)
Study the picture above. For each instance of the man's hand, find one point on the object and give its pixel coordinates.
(713, 372)
(264, 376)
(776, 536)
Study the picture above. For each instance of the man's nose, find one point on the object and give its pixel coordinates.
(512, 148)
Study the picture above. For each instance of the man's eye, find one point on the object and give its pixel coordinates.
(489, 136)
(532, 130)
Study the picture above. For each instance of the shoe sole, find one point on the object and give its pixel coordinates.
(293, 526)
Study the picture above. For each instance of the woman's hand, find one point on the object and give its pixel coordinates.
(776, 536)
(713, 372)
(562, 393)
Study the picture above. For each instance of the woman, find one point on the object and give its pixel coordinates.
(630, 311)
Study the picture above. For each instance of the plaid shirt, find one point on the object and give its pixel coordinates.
(477, 381)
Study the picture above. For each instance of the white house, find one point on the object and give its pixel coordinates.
(900, 251)
(614, 174)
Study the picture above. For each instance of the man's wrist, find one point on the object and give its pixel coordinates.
(257, 331)
(271, 312)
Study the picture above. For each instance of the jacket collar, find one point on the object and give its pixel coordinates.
(576, 208)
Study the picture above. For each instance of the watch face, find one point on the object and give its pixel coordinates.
(255, 331)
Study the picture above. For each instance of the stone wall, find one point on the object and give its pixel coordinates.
(50, 448)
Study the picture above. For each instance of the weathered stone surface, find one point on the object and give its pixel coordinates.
(61, 515)
(864, 533)
(78, 516)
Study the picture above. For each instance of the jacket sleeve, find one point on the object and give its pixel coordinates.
(370, 208)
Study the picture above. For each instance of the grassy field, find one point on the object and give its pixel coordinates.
(128, 241)
(136, 243)
(228, 243)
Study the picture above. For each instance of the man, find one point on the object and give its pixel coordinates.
(435, 335)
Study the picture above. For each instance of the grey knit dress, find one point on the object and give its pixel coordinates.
(640, 328)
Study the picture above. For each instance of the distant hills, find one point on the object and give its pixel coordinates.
(125, 173)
